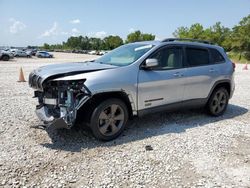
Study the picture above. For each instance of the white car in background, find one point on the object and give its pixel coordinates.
(5, 55)
(102, 52)
(13, 50)
(44, 54)
(21, 53)
(93, 52)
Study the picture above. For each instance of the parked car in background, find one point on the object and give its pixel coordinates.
(32, 51)
(9, 51)
(93, 52)
(6, 55)
(44, 54)
(134, 80)
(21, 53)
(102, 52)
(13, 50)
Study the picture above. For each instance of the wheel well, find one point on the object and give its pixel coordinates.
(84, 113)
(4, 55)
(226, 85)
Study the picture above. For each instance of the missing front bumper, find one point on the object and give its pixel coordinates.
(50, 121)
(59, 124)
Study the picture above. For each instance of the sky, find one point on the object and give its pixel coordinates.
(34, 22)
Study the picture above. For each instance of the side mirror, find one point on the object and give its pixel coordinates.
(150, 63)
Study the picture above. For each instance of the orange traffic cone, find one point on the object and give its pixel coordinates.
(245, 67)
(21, 76)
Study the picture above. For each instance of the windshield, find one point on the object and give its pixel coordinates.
(124, 55)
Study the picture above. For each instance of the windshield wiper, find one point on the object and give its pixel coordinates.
(103, 63)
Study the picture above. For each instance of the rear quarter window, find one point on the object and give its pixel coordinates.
(216, 56)
(197, 56)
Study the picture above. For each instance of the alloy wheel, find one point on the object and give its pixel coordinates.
(111, 120)
(219, 102)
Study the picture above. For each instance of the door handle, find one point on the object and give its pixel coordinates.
(178, 74)
(211, 70)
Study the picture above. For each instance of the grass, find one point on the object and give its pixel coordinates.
(234, 56)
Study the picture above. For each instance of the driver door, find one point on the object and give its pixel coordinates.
(163, 84)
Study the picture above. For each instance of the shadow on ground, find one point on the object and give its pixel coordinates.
(77, 138)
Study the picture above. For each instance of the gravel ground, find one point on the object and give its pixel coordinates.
(188, 149)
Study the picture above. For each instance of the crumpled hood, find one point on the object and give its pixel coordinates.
(67, 69)
(38, 76)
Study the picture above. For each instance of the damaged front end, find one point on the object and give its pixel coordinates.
(59, 101)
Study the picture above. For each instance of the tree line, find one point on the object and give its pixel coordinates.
(236, 39)
(93, 43)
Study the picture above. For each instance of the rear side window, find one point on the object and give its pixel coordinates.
(197, 56)
(216, 56)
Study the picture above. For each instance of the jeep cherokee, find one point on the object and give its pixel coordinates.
(133, 80)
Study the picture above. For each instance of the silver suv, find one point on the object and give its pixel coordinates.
(133, 80)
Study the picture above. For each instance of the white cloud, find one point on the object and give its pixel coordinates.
(131, 30)
(158, 38)
(52, 31)
(56, 31)
(76, 21)
(100, 34)
(64, 33)
(16, 26)
(74, 30)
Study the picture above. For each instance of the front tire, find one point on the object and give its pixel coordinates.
(109, 119)
(6, 58)
(218, 102)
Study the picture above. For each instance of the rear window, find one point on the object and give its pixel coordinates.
(197, 56)
(216, 56)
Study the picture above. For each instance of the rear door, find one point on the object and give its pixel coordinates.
(201, 73)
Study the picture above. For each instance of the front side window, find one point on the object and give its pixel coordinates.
(197, 56)
(169, 58)
(125, 55)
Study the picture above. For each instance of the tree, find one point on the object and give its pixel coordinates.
(195, 31)
(134, 37)
(111, 42)
(241, 37)
(148, 37)
(74, 42)
(95, 43)
(139, 36)
(46, 46)
(217, 34)
(236, 39)
(85, 43)
(181, 32)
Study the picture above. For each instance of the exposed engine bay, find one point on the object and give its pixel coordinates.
(60, 100)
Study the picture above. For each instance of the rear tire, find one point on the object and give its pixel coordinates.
(218, 101)
(109, 119)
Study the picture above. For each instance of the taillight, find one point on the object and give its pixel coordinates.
(234, 65)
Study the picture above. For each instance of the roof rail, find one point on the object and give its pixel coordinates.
(186, 39)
